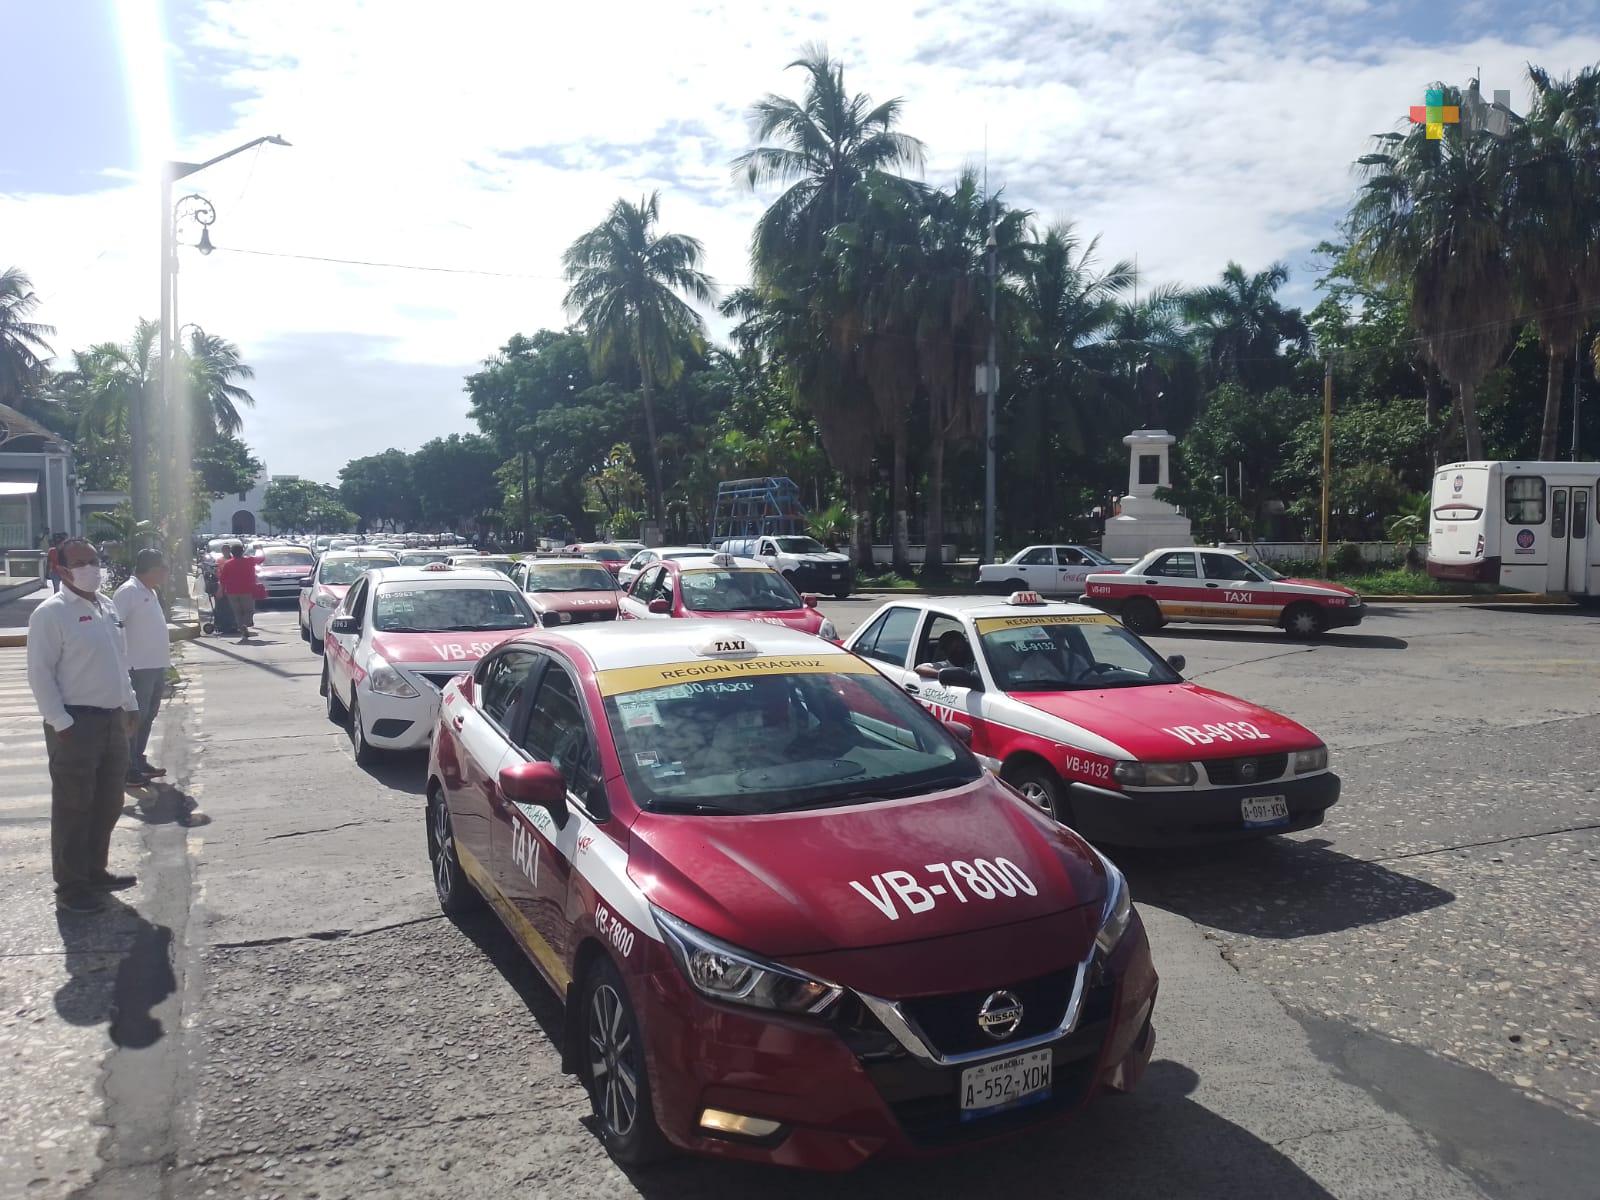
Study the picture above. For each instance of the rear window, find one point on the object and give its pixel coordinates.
(288, 558)
(1524, 500)
(570, 579)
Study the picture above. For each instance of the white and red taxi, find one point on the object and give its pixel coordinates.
(793, 919)
(1207, 586)
(399, 636)
(567, 591)
(723, 587)
(1092, 725)
(336, 571)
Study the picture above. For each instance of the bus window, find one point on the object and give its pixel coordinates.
(1558, 516)
(1524, 500)
(1580, 513)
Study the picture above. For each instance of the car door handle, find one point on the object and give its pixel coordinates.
(1213, 585)
(457, 722)
(912, 688)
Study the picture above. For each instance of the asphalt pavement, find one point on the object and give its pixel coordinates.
(1401, 1003)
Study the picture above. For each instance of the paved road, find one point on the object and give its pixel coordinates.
(1402, 1003)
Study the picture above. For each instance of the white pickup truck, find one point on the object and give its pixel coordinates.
(803, 561)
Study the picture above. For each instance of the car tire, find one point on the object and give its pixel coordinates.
(1304, 621)
(1014, 585)
(365, 752)
(316, 643)
(1142, 615)
(454, 890)
(305, 634)
(1041, 787)
(337, 713)
(844, 595)
(611, 1050)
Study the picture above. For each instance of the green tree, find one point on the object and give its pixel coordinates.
(454, 480)
(626, 281)
(221, 466)
(1241, 328)
(23, 348)
(1431, 219)
(380, 489)
(211, 367)
(290, 504)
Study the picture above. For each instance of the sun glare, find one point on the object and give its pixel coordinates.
(141, 30)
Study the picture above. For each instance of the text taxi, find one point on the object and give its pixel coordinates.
(399, 636)
(1221, 587)
(793, 919)
(1092, 725)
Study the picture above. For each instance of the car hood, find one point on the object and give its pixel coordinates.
(806, 620)
(335, 589)
(573, 601)
(1175, 722)
(430, 649)
(831, 558)
(1321, 585)
(815, 881)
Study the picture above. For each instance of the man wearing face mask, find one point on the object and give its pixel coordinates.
(78, 670)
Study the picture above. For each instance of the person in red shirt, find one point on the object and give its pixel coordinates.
(236, 579)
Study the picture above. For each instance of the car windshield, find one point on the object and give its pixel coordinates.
(605, 554)
(1098, 559)
(769, 743)
(1261, 569)
(406, 608)
(1057, 653)
(569, 579)
(800, 545)
(503, 565)
(287, 557)
(342, 572)
(737, 589)
(421, 558)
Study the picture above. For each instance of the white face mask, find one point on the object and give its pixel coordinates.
(86, 579)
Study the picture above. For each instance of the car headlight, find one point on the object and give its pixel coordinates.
(323, 600)
(1306, 761)
(386, 681)
(828, 631)
(1143, 774)
(1117, 911)
(722, 972)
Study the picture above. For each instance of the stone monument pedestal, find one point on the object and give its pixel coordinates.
(1145, 523)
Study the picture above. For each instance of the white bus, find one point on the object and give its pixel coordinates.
(1530, 526)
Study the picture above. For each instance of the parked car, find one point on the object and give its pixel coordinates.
(803, 561)
(1050, 570)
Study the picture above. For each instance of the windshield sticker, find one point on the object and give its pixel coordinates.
(984, 879)
(622, 680)
(995, 624)
(639, 714)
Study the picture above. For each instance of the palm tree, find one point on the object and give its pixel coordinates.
(625, 283)
(826, 144)
(1241, 327)
(23, 348)
(212, 366)
(110, 378)
(1554, 210)
(1431, 217)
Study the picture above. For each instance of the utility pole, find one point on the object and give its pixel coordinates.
(1327, 451)
(1577, 402)
(991, 377)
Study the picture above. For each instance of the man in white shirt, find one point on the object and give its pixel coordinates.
(78, 670)
(144, 630)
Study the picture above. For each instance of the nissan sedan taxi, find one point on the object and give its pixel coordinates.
(567, 591)
(399, 636)
(723, 587)
(793, 919)
(1095, 727)
(336, 571)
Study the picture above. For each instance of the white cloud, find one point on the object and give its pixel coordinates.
(487, 135)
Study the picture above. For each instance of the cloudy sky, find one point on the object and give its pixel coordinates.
(480, 136)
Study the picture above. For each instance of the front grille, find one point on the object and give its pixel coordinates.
(579, 616)
(1229, 772)
(924, 1100)
(950, 1023)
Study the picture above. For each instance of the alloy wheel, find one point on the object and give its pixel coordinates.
(612, 1069)
(444, 852)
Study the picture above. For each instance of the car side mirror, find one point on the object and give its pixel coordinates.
(660, 605)
(809, 599)
(538, 784)
(469, 688)
(345, 624)
(1177, 662)
(960, 677)
(962, 733)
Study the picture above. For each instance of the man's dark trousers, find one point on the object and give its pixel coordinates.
(147, 686)
(88, 768)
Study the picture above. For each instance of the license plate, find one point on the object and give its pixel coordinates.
(1259, 811)
(1006, 1083)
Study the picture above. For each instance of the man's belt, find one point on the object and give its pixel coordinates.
(88, 710)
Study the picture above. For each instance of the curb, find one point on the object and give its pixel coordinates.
(1473, 598)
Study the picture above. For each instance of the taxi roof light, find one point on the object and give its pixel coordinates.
(1021, 598)
(727, 645)
(722, 560)
(436, 566)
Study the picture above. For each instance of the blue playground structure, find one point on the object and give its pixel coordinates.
(756, 507)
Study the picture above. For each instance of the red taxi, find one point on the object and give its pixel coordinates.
(723, 587)
(399, 636)
(793, 919)
(612, 557)
(1222, 587)
(1095, 727)
(336, 571)
(567, 591)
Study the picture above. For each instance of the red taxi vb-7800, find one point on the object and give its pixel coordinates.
(793, 918)
(1094, 726)
(399, 636)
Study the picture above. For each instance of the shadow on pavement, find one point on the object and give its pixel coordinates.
(490, 936)
(119, 968)
(402, 770)
(1276, 887)
(218, 648)
(1156, 1142)
(1336, 640)
(163, 804)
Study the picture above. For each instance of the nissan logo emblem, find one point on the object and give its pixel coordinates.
(1247, 770)
(1001, 1015)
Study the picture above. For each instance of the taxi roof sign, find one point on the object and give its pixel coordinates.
(436, 566)
(726, 645)
(1024, 598)
(722, 560)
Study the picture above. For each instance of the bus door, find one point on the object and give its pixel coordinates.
(1569, 539)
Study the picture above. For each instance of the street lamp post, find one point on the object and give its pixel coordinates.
(139, 424)
(991, 377)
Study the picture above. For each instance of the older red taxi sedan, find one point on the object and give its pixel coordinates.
(793, 919)
(723, 587)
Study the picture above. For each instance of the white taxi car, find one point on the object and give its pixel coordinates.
(336, 571)
(1053, 570)
(400, 635)
(1091, 724)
